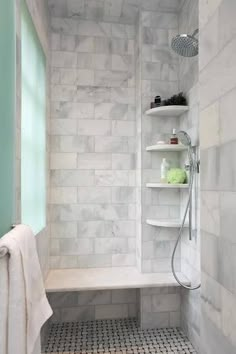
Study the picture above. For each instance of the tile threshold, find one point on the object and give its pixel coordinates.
(60, 280)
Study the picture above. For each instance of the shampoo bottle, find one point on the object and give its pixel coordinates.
(165, 166)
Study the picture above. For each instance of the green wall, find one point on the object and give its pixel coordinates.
(7, 113)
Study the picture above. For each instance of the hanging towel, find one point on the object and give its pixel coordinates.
(22, 292)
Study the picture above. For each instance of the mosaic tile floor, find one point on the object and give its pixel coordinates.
(114, 337)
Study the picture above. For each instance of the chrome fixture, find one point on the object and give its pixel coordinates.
(186, 45)
(193, 168)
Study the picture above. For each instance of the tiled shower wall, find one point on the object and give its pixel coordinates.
(159, 76)
(190, 250)
(218, 188)
(92, 162)
(93, 305)
(94, 135)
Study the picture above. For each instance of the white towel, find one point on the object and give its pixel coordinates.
(24, 296)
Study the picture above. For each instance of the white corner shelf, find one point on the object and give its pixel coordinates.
(167, 185)
(170, 223)
(167, 147)
(167, 111)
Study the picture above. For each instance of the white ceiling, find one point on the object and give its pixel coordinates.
(122, 11)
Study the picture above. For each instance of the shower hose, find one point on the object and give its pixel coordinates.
(192, 168)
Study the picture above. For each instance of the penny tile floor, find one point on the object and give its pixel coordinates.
(114, 337)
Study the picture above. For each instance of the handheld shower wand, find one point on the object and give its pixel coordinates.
(193, 168)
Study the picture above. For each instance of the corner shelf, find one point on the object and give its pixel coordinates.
(167, 185)
(167, 147)
(167, 111)
(170, 223)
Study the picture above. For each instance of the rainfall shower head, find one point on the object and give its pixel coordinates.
(185, 45)
(184, 138)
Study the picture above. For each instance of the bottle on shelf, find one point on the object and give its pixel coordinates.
(165, 166)
(174, 139)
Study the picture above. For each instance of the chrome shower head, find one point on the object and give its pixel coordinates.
(184, 138)
(185, 45)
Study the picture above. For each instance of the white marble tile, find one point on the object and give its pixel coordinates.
(76, 246)
(163, 303)
(90, 261)
(114, 111)
(72, 110)
(85, 61)
(210, 41)
(94, 195)
(126, 296)
(227, 121)
(114, 178)
(110, 245)
(113, 8)
(228, 316)
(64, 59)
(68, 76)
(95, 161)
(62, 93)
(60, 161)
(90, 298)
(72, 178)
(64, 25)
(111, 144)
(111, 311)
(218, 72)
(91, 28)
(102, 45)
(84, 44)
(123, 128)
(123, 260)
(123, 161)
(67, 43)
(123, 195)
(63, 230)
(75, 8)
(55, 41)
(227, 215)
(94, 127)
(63, 195)
(210, 126)
(111, 78)
(121, 62)
(76, 144)
(63, 127)
(210, 212)
(95, 229)
(151, 71)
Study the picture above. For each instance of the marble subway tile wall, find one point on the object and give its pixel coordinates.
(93, 134)
(190, 250)
(93, 305)
(160, 307)
(159, 67)
(217, 135)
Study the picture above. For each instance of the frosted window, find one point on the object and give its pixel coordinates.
(33, 115)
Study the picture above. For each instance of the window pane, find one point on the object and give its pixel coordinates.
(33, 139)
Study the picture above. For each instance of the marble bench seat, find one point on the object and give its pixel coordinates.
(62, 280)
